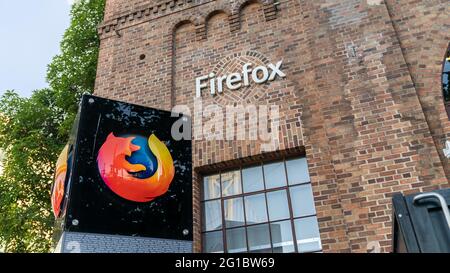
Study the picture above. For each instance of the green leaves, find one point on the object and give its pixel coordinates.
(73, 71)
(34, 130)
(30, 139)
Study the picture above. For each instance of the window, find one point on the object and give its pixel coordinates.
(264, 208)
(446, 81)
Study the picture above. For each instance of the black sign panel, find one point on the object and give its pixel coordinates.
(126, 174)
(421, 222)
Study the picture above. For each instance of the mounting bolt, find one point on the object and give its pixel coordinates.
(185, 232)
(75, 222)
(91, 100)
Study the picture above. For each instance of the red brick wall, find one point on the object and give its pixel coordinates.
(423, 31)
(348, 98)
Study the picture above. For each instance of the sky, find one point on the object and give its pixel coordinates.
(30, 33)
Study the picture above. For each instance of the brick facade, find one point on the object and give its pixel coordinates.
(362, 97)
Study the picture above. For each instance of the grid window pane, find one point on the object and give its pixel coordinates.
(282, 239)
(211, 187)
(255, 209)
(307, 233)
(236, 240)
(234, 212)
(252, 179)
(212, 215)
(275, 175)
(302, 200)
(277, 202)
(259, 239)
(257, 217)
(297, 170)
(213, 242)
(231, 183)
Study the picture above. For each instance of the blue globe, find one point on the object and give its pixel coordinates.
(143, 156)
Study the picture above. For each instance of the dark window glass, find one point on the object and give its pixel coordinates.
(278, 205)
(236, 240)
(231, 183)
(275, 175)
(234, 212)
(282, 239)
(297, 171)
(213, 242)
(252, 179)
(211, 187)
(255, 208)
(307, 233)
(259, 239)
(302, 200)
(212, 215)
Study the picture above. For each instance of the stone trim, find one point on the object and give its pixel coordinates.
(250, 160)
(154, 11)
(146, 13)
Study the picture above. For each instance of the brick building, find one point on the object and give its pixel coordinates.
(362, 112)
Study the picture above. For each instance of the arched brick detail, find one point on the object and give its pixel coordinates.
(189, 20)
(209, 15)
(269, 6)
(175, 28)
(240, 4)
(217, 9)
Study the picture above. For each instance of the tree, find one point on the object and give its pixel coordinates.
(73, 72)
(34, 130)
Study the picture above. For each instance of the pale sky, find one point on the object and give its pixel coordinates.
(30, 32)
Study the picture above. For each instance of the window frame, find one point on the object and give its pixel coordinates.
(446, 103)
(264, 191)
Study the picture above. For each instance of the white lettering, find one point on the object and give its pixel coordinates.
(276, 71)
(264, 71)
(212, 83)
(199, 85)
(245, 71)
(233, 81)
(220, 83)
(194, 263)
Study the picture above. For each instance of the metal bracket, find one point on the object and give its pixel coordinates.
(442, 202)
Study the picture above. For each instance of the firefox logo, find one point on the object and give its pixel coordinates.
(136, 168)
(58, 189)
